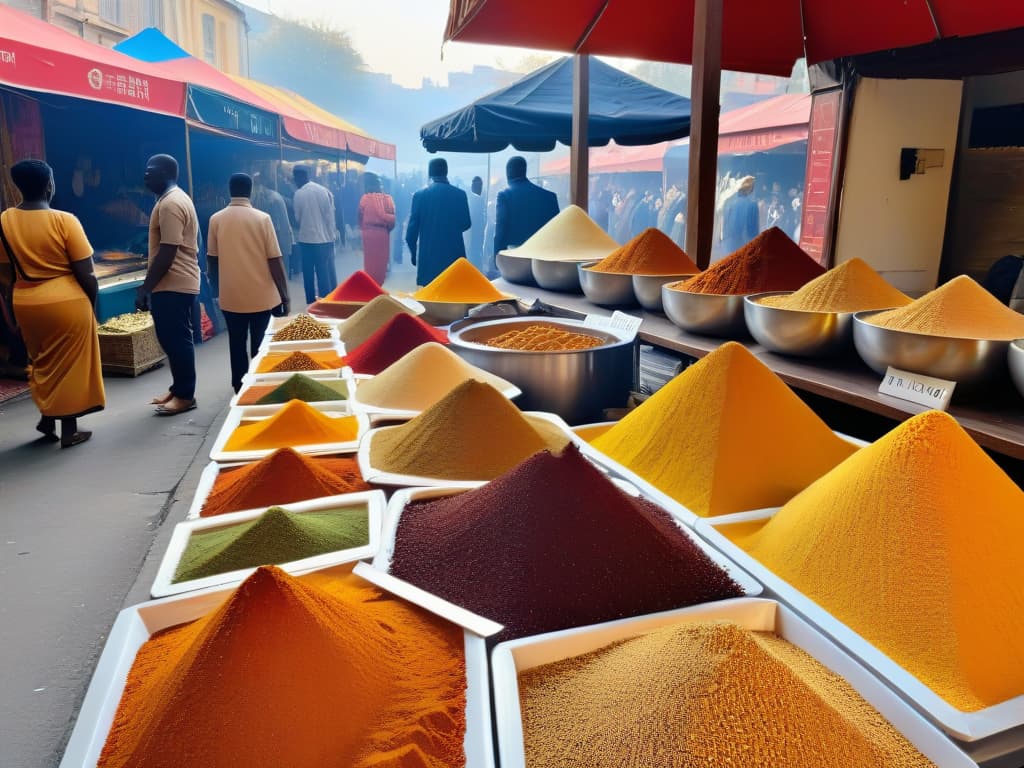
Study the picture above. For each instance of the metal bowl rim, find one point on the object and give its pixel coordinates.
(860, 318)
(667, 287)
(504, 297)
(751, 298)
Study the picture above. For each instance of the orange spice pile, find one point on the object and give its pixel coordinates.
(544, 338)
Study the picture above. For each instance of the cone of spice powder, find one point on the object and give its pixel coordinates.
(308, 360)
(959, 309)
(853, 286)
(460, 282)
(298, 387)
(283, 477)
(421, 378)
(726, 435)
(769, 262)
(299, 672)
(697, 692)
(553, 544)
(295, 424)
(303, 328)
(914, 543)
(473, 433)
(277, 536)
(358, 286)
(570, 236)
(651, 252)
(398, 336)
(364, 323)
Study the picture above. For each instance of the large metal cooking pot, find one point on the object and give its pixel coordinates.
(576, 384)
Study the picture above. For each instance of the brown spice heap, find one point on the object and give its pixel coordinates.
(708, 694)
(651, 252)
(769, 262)
(303, 328)
(544, 338)
(298, 361)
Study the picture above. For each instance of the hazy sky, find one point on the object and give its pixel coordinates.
(399, 37)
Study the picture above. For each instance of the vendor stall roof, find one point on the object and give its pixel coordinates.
(536, 111)
(757, 35)
(41, 57)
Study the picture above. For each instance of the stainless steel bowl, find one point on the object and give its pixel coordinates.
(795, 332)
(647, 289)
(968, 362)
(576, 384)
(515, 269)
(606, 288)
(447, 312)
(562, 276)
(709, 314)
(1016, 358)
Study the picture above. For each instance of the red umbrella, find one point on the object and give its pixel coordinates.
(757, 35)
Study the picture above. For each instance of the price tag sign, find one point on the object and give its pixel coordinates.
(618, 321)
(917, 388)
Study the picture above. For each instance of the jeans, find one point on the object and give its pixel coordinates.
(245, 333)
(172, 316)
(316, 276)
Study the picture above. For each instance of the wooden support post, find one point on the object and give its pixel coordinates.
(579, 173)
(704, 94)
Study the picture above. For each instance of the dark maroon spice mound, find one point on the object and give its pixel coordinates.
(553, 544)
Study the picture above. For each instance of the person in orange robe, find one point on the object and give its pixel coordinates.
(376, 220)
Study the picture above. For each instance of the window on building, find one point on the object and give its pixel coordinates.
(153, 13)
(112, 11)
(210, 39)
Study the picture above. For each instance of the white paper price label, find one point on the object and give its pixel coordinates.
(618, 321)
(917, 388)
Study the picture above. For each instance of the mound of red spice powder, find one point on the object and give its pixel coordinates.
(399, 335)
(553, 544)
(769, 262)
(358, 286)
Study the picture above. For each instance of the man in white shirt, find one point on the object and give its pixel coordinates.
(247, 273)
(314, 212)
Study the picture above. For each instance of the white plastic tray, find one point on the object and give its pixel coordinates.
(675, 508)
(510, 392)
(966, 726)
(308, 346)
(379, 477)
(511, 658)
(237, 415)
(261, 380)
(164, 584)
(135, 625)
(290, 346)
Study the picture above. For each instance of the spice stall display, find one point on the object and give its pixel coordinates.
(543, 337)
(364, 323)
(702, 693)
(551, 544)
(298, 387)
(301, 672)
(570, 236)
(397, 337)
(651, 252)
(913, 543)
(420, 378)
(852, 286)
(299, 360)
(303, 328)
(460, 282)
(472, 434)
(283, 477)
(726, 435)
(296, 424)
(358, 286)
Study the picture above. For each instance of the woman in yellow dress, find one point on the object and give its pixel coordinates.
(54, 303)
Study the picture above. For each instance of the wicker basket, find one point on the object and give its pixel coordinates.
(129, 354)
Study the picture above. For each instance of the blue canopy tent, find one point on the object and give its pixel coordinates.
(536, 111)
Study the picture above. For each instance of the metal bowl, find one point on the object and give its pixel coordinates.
(576, 384)
(608, 289)
(795, 332)
(709, 314)
(1016, 358)
(515, 269)
(562, 276)
(647, 289)
(447, 312)
(968, 362)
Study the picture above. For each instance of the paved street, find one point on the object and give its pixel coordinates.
(82, 532)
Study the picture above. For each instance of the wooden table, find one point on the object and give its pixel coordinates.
(997, 422)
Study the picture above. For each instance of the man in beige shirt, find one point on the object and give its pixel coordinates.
(172, 281)
(247, 273)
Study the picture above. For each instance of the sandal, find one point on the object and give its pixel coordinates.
(163, 410)
(161, 400)
(76, 439)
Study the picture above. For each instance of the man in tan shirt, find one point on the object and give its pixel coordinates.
(247, 273)
(172, 281)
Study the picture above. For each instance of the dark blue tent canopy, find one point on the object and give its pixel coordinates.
(535, 112)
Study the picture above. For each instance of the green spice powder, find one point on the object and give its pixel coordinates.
(277, 536)
(300, 387)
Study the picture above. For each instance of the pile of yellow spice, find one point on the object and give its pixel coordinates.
(853, 286)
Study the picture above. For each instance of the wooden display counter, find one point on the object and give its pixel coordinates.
(996, 422)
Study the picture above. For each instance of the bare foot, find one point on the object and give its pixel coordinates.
(174, 406)
(160, 400)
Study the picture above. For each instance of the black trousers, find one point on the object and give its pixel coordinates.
(316, 264)
(172, 317)
(245, 333)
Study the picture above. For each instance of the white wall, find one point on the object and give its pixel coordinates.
(898, 226)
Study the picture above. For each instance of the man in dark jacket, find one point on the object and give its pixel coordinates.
(522, 209)
(439, 216)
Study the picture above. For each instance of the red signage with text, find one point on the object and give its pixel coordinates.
(821, 147)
